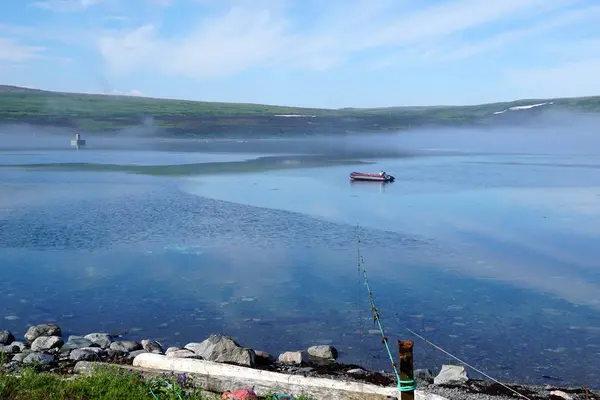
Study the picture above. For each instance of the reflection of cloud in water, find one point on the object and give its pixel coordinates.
(184, 249)
(564, 201)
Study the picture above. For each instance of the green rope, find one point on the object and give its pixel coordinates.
(412, 385)
(152, 393)
(377, 319)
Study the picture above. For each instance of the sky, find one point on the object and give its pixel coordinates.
(326, 53)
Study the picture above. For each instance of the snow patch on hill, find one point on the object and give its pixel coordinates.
(516, 108)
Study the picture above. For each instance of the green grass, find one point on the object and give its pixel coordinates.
(102, 113)
(104, 384)
(108, 383)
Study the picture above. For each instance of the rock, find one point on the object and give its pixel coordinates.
(36, 331)
(10, 349)
(219, 348)
(126, 345)
(293, 357)
(152, 346)
(171, 349)
(76, 342)
(193, 346)
(11, 366)
(87, 354)
(45, 343)
(22, 346)
(20, 357)
(116, 353)
(99, 339)
(136, 353)
(263, 358)
(38, 358)
(6, 338)
(423, 375)
(324, 351)
(451, 374)
(182, 353)
(560, 394)
(356, 371)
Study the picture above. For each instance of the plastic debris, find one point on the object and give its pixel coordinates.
(239, 395)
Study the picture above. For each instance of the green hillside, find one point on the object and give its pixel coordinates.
(95, 113)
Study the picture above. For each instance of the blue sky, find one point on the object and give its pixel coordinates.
(326, 53)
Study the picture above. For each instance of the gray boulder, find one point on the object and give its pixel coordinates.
(38, 358)
(182, 353)
(324, 352)
(451, 375)
(76, 342)
(45, 343)
(152, 346)
(136, 353)
(423, 375)
(125, 345)
(36, 331)
(293, 357)
(22, 346)
(263, 358)
(9, 349)
(87, 354)
(220, 348)
(20, 357)
(99, 339)
(6, 338)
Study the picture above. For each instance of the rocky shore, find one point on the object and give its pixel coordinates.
(45, 348)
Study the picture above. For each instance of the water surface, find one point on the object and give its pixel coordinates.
(492, 257)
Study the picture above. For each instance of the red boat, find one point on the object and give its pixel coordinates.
(380, 177)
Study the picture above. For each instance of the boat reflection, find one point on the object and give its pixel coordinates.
(369, 185)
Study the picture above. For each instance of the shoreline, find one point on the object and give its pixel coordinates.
(45, 348)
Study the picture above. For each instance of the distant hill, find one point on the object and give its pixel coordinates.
(182, 118)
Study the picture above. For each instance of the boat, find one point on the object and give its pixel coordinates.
(380, 177)
(78, 141)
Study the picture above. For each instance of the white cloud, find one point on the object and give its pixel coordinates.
(517, 35)
(13, 51)
(267, 36)
(569, 79)
(66, 5)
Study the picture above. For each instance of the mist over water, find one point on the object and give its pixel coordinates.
(486, 243)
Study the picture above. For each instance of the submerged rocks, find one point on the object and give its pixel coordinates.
(36, 331)
(152, 346)
(102, 340)
(6, 338)
(45, 343)
(220, 348)
(451, 374)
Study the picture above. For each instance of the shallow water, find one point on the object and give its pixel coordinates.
(494, 261)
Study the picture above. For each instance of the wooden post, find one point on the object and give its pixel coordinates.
(406, 367)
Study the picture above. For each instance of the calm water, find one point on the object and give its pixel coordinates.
(492, 257)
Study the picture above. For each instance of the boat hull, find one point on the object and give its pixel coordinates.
(357, 176)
